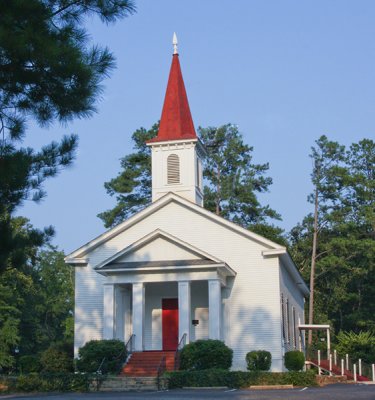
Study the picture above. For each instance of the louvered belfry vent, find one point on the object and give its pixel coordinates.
(173, 166)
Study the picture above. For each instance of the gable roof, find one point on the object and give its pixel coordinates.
(153, 207)
(158, 233)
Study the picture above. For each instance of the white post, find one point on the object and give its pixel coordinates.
(119, 313)
(214, 308)
(138, 315)
(342, 367)
(355, 372)
(360, 367)
(330, 364)
(108, 311)
(328, 344)
(347, 361)
(319, 370)
(184, 313)
(335, 357)
(373, 372)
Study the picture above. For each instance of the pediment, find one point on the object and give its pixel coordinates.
(156, 248)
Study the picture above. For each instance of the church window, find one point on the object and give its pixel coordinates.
(173, 169)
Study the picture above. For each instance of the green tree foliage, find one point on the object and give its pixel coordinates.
(36, 305)
(359, 345)
(132, 186)
(232, 181)
(345, 255)
(49, 72)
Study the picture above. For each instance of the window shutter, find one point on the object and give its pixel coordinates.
(173, 169)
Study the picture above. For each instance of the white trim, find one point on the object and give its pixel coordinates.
(153, 207)
(312, 326)
(228, 271)
(77, 261)
(157, 233)
(275, 252)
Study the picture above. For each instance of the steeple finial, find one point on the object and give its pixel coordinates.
(175, 43)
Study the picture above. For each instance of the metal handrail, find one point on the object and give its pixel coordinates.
(180, 346)
(161, 369)
(99, 370)
(129, 344)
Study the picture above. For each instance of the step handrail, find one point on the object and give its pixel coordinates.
(180, 346)
(161, 369)
(129, 344)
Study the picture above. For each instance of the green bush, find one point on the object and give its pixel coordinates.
(53, 382)
(29, 363)
(57, 358)
(238, 379)
(205, 354)
(259, 360)
(294, 360)
(91, 355)
(357, 345)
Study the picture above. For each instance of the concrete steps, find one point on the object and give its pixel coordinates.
(124, 384)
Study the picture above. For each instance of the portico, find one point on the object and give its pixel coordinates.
(134, 303)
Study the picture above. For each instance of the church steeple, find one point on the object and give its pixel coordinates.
(176, 151)
(176, 122)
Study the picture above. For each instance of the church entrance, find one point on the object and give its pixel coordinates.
(170, 324)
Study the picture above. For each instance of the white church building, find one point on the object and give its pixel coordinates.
(175, 271)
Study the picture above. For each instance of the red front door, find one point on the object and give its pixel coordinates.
(170, 324)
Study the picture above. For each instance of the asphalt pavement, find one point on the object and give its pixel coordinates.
(330, 392)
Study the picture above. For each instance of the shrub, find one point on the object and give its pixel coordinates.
(29, 363)
(259, 360)
(238, 379)
(57, 358)
(205, 354)
(46, 382)
(357, 345)
(294, 360)
(91, 355)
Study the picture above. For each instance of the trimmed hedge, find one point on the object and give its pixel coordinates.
(206, 354)
(91, 355)
(294, 360)
(238, 379)
(47, 382)
(259, 360)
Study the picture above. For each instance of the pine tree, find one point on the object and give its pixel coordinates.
(48, 72)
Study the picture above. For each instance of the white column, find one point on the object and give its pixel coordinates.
(214, 308)
(138, 315)
(119, 313)
(108, 311)
(184, 307)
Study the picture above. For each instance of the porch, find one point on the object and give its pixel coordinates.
(160, 308)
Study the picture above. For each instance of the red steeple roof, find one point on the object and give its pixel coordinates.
(176, 122)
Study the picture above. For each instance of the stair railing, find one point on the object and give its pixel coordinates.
(161, 369)
(130, 344)
(180, 346)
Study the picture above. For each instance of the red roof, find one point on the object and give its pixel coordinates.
(176, 122)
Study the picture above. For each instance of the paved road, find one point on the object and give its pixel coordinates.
(331, 392)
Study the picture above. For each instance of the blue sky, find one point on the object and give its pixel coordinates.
(285, 72)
